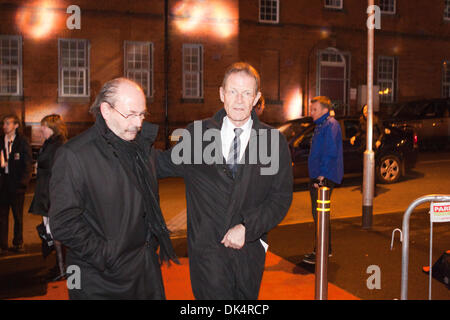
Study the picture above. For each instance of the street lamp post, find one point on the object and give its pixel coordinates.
(369, 155)
(166, 73)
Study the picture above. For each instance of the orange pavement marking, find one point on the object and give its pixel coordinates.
(282, 280)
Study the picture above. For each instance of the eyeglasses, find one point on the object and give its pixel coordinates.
(141, 116)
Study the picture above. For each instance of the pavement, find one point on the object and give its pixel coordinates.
(355, 250)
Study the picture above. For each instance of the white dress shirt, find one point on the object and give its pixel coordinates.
(227, 135)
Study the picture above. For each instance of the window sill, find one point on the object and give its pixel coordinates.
(192, 100)
(75, 99)
(334, 9)
(269, 22)
(11, 98)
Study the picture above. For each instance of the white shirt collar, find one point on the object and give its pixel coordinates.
(228, 126)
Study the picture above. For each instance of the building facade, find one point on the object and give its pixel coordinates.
(55, 55)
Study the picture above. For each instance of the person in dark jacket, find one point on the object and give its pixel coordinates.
(15, 174)
(234, 196)
(54, 131)
(104, 201)
(378, 130)
(325, 160)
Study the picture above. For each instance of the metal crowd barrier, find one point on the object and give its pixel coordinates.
(405, 242)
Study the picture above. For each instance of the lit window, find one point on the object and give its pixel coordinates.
(10, 65)
(387, 79)
(387, 6)
(192, 71)
(446, 79)
(269, 11)
(73, 68)
(138, 64)
(334, 4)
(447, 10)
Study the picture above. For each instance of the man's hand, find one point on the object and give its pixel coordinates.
(320, 178)
(235, 237)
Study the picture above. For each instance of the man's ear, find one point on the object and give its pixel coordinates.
(105, 109)
(258, 95)
(222, 94)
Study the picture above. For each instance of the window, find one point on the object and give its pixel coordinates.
(387, 79)
(447, 10)
(446, 79)
(269, 11)
(73, 67)
(10, 65)
(334, 4)
(387, 6)
(334, 78)
(138, 64)
(192, 71)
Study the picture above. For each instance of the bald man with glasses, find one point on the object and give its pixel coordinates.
(105, 201)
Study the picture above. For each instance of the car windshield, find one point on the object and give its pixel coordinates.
(411, 109)
(292, 129)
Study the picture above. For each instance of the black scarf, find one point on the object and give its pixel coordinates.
(132, 155)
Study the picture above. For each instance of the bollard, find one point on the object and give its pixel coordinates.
(323, 221)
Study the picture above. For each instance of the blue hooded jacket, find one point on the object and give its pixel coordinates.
(326, 156)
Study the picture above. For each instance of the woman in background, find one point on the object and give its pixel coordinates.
(54, 131)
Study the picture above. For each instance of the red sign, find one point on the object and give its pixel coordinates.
(440, 212)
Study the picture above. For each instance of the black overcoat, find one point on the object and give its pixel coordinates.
(41, 199)
(216, 202)
(97, 211)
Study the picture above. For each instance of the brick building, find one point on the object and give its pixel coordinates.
(55, 54)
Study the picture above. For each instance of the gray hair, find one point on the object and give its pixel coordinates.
(108, 94)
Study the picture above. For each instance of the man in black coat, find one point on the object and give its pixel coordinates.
(15, 174)
(104, 202)
(235, 191)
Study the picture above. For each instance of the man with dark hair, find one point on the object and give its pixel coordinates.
(232, 201)
(325, 161)
(105, 203)
(15, 174)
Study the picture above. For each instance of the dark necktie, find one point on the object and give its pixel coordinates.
(235, 147)
(8, 152)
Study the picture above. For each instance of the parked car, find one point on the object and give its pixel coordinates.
(430, 119)
(396, 155)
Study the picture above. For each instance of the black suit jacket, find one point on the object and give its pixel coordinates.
(217, 202)
(19, 165)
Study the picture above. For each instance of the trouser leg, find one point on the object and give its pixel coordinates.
(60, 258)
(17, 209)
(4, 225)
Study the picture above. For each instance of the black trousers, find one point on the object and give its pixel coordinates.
(14, 201)
(313, 192)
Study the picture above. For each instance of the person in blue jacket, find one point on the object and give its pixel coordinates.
(325, 161)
